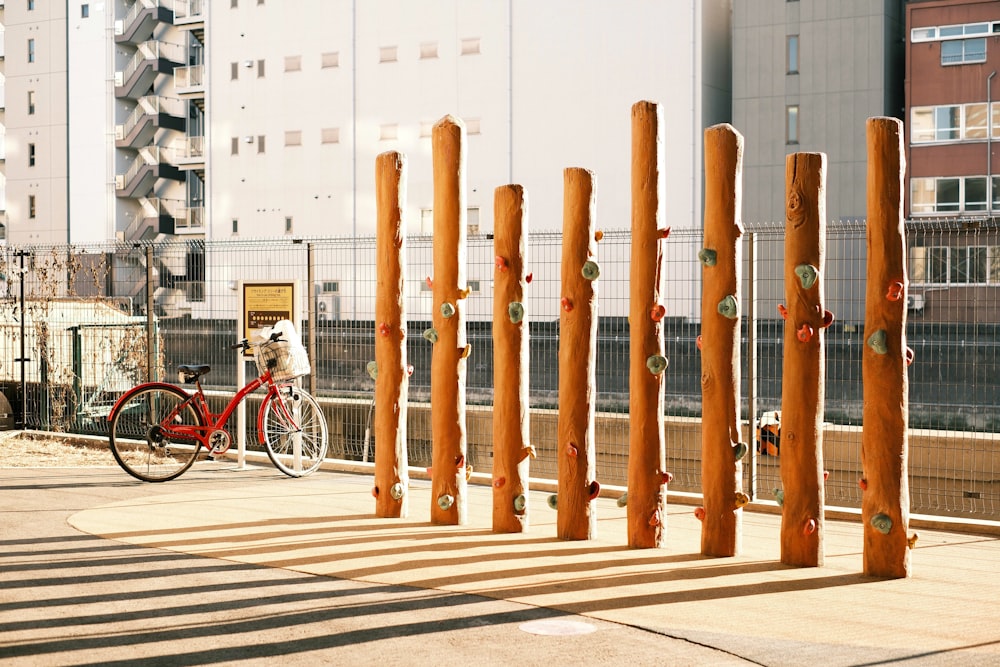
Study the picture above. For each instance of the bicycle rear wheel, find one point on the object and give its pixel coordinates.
(140, 433)
(293, 429)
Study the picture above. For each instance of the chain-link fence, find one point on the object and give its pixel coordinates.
(85, 323)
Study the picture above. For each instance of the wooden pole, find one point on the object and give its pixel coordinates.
(647, 478)
(885, 505)
(722, 449)
(576, 518)
(392, 380)
(511, 433)
(448, 475)
(802, 380)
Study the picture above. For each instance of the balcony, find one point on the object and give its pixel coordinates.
(141, 20)
(151, 114)
(189, 82)
(151, 59)
(189, 13)
(149, 166)
(191, 221)
(189, 154)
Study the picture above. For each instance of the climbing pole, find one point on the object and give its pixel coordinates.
(885, 504)
(578, 487)
(390, 369)
(448, 361)
(722, 447)
(512, 448)
(802, 390)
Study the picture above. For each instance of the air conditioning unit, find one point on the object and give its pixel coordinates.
(327, 301)
(915, 302)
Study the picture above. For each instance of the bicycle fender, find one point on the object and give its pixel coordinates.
(146, 385)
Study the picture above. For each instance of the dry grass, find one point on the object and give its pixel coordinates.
(43, 450)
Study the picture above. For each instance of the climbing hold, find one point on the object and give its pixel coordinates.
(464, 293)
(657, 363)
(372, 369)
(911, 541)
(528, 277)
(827, 319)
(664, 233)
(697, 342)
(805, 333)
(430, 283)
(553, 500)
(622, 500)
(655, 519)
(808, 275)
(468, 472)
(571, 450)
(895, 291)
(708, 257)
(460, 461)
(810, 527)
(384, 329)
(782, 311)
(657, 312)
(742, 499)
(499, 482)
(882, 523)
(877, 342)
(699, 513)
(446, 501)
(728, 307)
(598, 235)
(909, 355)
(465, 351)
(567, 305)
(826, 475)
(595, 489)
(739, 450)
(666, 477)
(779, 497)
(863, 483)
(447, 310)
(515, 311)
(591, 270)
(375, 492)
(520, 502)
(409, 370)
(501, 264)
(396, 491)
(528, 450)
(431, 334)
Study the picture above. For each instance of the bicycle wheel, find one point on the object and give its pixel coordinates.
(140, 440)
(293, 429)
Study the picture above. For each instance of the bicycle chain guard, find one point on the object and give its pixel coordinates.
(220, 441)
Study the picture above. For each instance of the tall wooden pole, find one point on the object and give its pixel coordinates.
(448, 365)
(392, 381)
(576, 516)
(511, 434)
(647, 479)
(885, 505)
(803, 376)
(722, 449)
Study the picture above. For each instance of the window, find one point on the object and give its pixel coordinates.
(961, 51)
(288, 224)
(330, 60)
(234, 146)
(968, 265)
(236, 222)
(976, 122)
(470, 47)
(388, 132)
(31, 155)
(947, 123)
(31, 5)
(387, 54)
(792, 124)
(31, 102)
(234, 71)
(792, 54)
(975, 196)
(472, 126)
(293, 138)
(260, 69)
(31, 206)
(428, 50)
(31, 50)
(260, 143)
(951, 194)
(293, 63)
(85, 11)
(954, 122)
(426, 220)
(330, 135)
(233, 4)
(472, 219)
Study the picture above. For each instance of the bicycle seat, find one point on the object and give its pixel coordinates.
(191, 372)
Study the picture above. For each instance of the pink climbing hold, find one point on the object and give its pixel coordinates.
(501, 264)
(460, 461)
(863, 483)
(595, 489)
(699, 513)
(384, 329)
(667, 477)
(571, 449)
(567, 305)
(697, 341)
(375, 492)
(409, 370)
(826, 475)
(430, 283)
(827, 318)
(810, 527)
(655, 519)
(909, 355)
(499, 482)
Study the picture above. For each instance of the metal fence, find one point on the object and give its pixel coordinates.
(81, 324)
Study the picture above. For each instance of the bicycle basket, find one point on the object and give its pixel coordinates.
(284, 359)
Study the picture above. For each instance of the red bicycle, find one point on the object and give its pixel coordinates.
(157, 429)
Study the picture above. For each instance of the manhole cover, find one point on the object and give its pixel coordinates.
(557, 627)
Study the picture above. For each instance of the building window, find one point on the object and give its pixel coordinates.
(472, 219)
(293, 63)
(234, 146)
(330, 135)
(953, 122)
(426, 221)
(31, 50)
(288, 224)
(470, 47)
(234, 71)
(329, 60)
(959, 265)
(233, 4)
(260, 69)
(388, 132)
(293, 138)
(387, 54)
(260, 143)
(792, 124)
(85, 11)
(428, 50)
(426, 128)
(236, 224)
(961, 51)
(951, 194)
(472, 126)
(31, 102)
(31, 155)
(792, 54)
(31, 206)
(31, 5)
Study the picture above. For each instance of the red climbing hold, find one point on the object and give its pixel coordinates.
(699, 513)
(895, 291)
(805, 333)
(501, 264)
(782, 311)
(657, 312)
(595, 489)
(567, 305)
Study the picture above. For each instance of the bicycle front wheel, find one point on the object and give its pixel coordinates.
(144, 437)
(293, 429)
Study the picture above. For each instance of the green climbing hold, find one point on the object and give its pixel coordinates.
(779, 497)
(431, 334)
(396, 491)
(808, 275)
(623, 499)
(877, 341)
(739, 450)
(708, 257)
(515, 311)
(729, 307)
(373, 370)
(445, 502)
(447, 310)
(520, 502)
(591, 270)
(882, 523)
(553, 500)
(656, 364)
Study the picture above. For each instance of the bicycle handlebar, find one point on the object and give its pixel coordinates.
(245, 344)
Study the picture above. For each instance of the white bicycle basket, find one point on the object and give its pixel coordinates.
(286, 359)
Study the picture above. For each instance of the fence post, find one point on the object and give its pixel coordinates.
(752, 356)
(150, 318)
(311, 310)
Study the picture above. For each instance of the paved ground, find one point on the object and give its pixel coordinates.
(227, 566)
